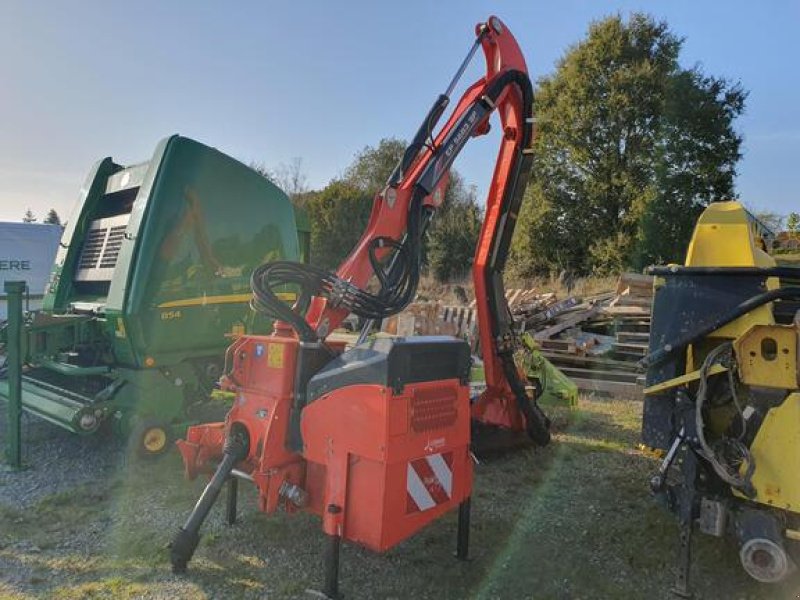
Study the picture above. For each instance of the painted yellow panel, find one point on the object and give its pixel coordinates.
(776, 451)
(767, 356)
(226, 299)
(682, 380)
(726, 236)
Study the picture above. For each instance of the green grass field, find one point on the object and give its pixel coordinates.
(573, 520)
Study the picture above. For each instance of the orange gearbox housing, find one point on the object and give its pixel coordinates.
(394, 461)
(378, 461)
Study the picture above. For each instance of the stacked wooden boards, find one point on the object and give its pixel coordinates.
(599, 345)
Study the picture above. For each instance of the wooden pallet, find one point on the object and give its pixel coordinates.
(614, 389)
(599, 363)
(596, 375)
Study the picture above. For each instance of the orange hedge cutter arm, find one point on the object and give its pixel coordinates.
(389, 249)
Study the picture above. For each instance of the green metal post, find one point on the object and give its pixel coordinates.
(14, 291)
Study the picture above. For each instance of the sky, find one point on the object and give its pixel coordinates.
(272, 81)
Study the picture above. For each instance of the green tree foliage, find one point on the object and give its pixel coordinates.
(372, 166)
(52, 217)
(793, 223)
(340, 211)
(338, 215)
(29, 217)
(630, 147)
(454, 233)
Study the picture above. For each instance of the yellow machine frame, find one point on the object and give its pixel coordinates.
(763, 364)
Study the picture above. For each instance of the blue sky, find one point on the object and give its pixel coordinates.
(271, 81)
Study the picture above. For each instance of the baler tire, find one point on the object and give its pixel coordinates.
(150, 438)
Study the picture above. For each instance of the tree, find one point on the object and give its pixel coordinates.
(29, 217)
(373, 165)
(450, 244)
(630, 147)
(290, 178)
(454, 232)
(793, 223)
(771, 220)
(340, 211)
(52, 217)
(338, 215)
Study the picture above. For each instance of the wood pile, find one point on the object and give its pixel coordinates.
(633, 296)
(599, 349)
(596, 341)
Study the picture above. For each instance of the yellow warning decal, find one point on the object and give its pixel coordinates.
(275, 356)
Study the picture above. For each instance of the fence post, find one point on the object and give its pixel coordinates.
(14, 291)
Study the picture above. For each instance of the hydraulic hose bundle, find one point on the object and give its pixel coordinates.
(398, 281)
(727, 454)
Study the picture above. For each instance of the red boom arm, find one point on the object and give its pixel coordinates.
(361, 454)
(402, 209)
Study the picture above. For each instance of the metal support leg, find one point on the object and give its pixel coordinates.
(233, 492)
(331, 587)
(462, 537)
(686, 514)
(681, 587)
(185, 541)
(14, 291)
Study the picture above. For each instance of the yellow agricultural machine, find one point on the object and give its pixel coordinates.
(723, 397)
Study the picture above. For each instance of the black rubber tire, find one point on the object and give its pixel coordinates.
(150, 438)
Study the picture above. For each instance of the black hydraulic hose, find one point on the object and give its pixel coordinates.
(521, 79)
(398, 282)
(419, 140)
(537, 423)
(185, 541)
(742, 309)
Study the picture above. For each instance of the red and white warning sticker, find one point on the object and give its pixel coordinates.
(429, 482)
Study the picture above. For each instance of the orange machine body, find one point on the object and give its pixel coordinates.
(375, 439)
(378, 461)
(262, 379)
(393, 461)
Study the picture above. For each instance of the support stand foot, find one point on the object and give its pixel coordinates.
(331, 586)
(233, 493)
(462, 537)
(185, 541)
(681, 588)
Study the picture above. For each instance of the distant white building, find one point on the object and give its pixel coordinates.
(27, 251)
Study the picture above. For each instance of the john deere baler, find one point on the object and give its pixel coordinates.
(151, 279)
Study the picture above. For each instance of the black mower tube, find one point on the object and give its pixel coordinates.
(185, 541)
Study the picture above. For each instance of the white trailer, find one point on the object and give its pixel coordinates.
(27, 251)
